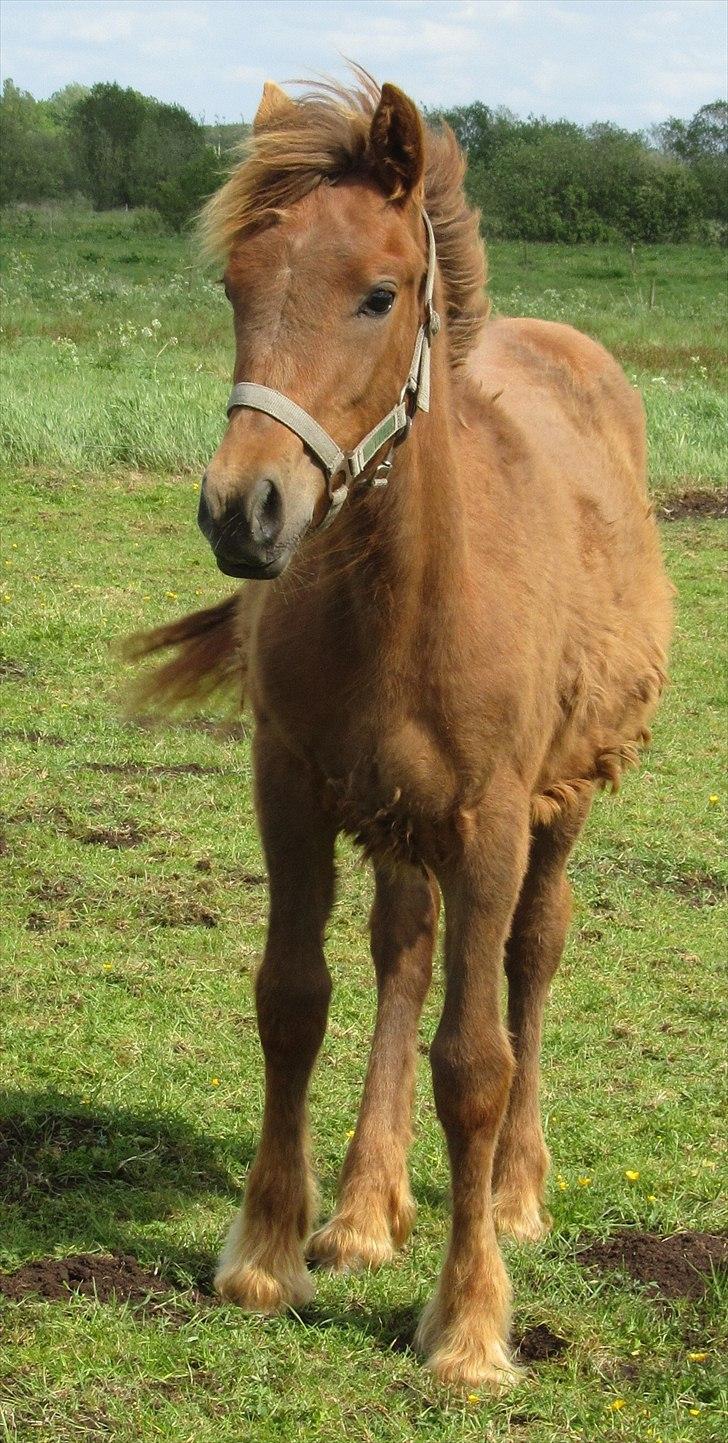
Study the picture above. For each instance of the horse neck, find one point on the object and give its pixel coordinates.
(395, 563)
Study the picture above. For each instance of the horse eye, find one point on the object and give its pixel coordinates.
(378, 303)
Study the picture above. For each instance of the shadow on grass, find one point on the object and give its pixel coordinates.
(77, 1177)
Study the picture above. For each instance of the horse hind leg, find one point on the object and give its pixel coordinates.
(375, 1210)
(533, 952)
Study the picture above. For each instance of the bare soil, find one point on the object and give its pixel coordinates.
(127, 834)
(680, 1266)
(538, 1345)
(693, 503)
(90, 1275)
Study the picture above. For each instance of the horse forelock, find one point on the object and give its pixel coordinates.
(322, 139)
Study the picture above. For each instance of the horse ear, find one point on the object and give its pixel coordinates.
(274, 106)
(397, 143)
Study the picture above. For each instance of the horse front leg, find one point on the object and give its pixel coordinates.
(464, 1330)
(262, 1267)
(375, 1209)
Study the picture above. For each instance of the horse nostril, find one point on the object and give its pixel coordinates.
(265, 511)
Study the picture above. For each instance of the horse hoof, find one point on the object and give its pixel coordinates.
(256, 1290)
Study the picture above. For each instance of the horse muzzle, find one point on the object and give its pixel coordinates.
(248, 533)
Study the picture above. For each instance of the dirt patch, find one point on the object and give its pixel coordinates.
(59, 1149)
(152, 769)
(11, 670)
(93, 1275)
(700, 889)
(39, 922)
(680, 1266)
(127, 834)
(539, 1344)
(184, 914)
(694, 503)
(29, 734)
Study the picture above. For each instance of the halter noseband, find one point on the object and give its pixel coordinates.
(393, 428)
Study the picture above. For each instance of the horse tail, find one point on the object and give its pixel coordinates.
(210, 655)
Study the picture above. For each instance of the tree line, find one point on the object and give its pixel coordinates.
(110, 145)
(542, 180)
(533, 179)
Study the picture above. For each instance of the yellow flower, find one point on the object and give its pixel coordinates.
(108, 966)
(172, 595)
(473, 1397)
(584, 1181)
(214, 1082)
(631, 1175)
(651, 1197)
(697, 1357)
(349, 1134)
(713, 799)
(616, 1405)
(694, 1412)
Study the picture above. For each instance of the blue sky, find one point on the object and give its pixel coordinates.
(630, 61)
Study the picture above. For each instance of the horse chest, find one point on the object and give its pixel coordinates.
(398, 797)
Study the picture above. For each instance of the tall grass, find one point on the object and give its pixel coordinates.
(117, 344)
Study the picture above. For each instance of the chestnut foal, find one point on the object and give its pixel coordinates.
(448, 671)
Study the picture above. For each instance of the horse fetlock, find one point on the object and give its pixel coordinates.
(262, 1267)
(520, 1215)
(343, 1248)
(365, 1230)
(468, 1350)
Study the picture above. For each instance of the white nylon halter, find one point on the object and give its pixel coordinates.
(393, 428)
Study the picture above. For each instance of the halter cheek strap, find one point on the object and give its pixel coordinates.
(393, 428)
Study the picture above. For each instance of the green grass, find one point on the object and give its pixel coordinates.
(132, 341)
(126, 987)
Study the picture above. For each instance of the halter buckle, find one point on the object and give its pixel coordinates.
(381, 475)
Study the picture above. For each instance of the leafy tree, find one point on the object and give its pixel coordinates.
(179, 198)
(36, 159)
(701, 144)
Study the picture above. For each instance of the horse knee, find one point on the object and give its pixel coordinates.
(471, 1081)
(292, 1010)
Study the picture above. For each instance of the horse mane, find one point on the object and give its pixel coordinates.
(322, 138)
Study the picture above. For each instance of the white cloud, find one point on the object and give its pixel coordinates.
(387, 38)
(255, 74)
(99, 24)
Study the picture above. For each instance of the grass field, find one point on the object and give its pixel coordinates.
(130, 1083)
(130, 335)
